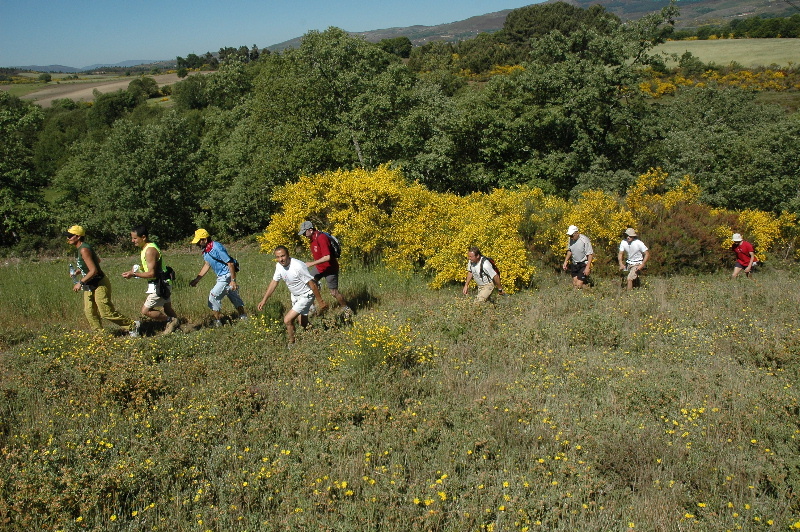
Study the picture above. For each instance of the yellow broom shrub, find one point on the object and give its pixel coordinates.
(378, 212)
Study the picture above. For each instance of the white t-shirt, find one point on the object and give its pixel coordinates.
(296, 277)
(488, 271)
(635, 251)
(581, 248)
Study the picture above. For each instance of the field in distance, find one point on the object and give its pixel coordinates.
(747, 52)
(81, 90)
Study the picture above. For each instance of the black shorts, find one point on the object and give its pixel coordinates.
(578, 269)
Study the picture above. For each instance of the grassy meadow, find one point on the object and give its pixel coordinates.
(750, 53)
(673, 407)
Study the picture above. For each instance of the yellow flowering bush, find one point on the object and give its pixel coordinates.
(378, 339)
(646, 200)
(378, 212)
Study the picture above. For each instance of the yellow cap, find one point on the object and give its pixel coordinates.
(75, 230)
(200, 233)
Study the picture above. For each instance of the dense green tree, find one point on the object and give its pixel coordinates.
(399, 46)
(537, 20)
(110, 106)
(63, 126)
(137, 174)
(45, 77)
(567, 112)
(21, 203)
(191, 92)
(229, 85)
(143, 87)
(742, 153)
(236, 173)
(326, 104)
(192, 61)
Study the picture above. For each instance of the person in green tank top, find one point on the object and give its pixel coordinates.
(152, 263)
(97, 305)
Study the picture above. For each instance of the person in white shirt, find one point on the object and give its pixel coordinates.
(638, 255)
(302, 287)
(580, 250)
(482, 270)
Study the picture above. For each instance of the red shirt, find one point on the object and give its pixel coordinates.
(743, 251)
(321, 246)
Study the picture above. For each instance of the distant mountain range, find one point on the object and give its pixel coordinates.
(98, 66)
(694, 13)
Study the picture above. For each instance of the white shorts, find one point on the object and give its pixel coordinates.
(302, 304)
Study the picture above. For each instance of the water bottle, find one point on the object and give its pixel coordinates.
(135, 268)
(76, 279)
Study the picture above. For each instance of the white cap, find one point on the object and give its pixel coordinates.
(572, 229)
(737, 237)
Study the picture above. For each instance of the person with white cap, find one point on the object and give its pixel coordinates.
(579, 249)
(95, 285)
(745, 256)
(637, 252)
(224, 267)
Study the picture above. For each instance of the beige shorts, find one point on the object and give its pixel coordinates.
(633, 271)
(484, 291)
(153, 301)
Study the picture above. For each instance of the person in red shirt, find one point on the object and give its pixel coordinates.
(745, 256)
(326, 264)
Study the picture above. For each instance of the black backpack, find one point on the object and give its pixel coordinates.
(336, 246)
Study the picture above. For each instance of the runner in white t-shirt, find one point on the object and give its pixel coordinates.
(302, 288)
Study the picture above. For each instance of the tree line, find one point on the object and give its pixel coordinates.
(559, 109)
(758, 27)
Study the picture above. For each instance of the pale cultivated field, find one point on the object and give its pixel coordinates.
(746, 52)
(83, 91)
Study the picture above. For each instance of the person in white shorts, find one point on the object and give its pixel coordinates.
(302, 287)
(638, 255)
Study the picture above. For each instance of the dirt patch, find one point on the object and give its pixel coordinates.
(83, 91)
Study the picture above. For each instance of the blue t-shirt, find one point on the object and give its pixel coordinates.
(217, 257)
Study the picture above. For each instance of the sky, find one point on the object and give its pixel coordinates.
(80, 33)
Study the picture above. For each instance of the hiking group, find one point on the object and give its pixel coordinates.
(303, 285)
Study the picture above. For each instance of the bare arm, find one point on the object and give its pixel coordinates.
(320, 260)
(200, 275)
(466, 284)
(270, 289)
(232, 268)
(151, 257)
(566, 259)
(321, 305)
(496, 281)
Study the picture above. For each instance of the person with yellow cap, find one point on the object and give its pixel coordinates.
(217, 259)
(96, 286)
